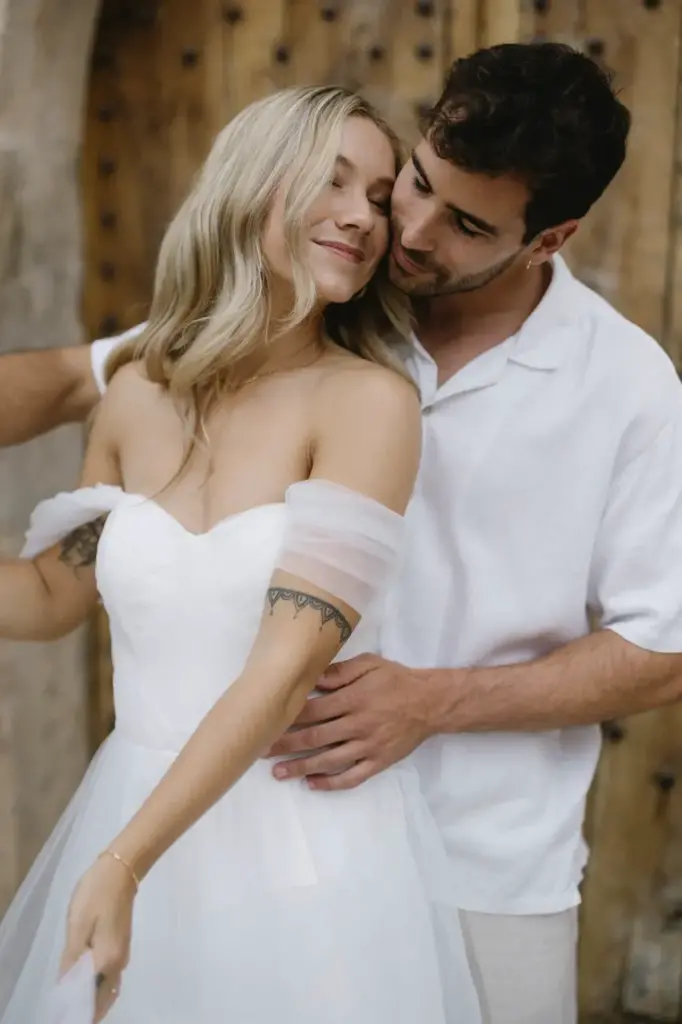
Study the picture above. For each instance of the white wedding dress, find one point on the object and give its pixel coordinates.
(281, 905)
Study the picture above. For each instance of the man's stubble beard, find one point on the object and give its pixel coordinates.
(441, 284)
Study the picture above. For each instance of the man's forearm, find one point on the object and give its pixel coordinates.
(40, 390)
(598, 677)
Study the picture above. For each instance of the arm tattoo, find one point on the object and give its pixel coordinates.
(79, 548)
(327, 612)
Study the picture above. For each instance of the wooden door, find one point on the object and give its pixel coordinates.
(165, 78)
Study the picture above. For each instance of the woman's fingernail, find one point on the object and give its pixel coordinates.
(281, 772)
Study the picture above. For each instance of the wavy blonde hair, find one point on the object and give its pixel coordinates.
(211, 308)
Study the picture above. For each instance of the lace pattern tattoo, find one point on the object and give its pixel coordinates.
(79, 548)
(326, 611)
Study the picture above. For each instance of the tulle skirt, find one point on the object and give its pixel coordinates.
(280, 906)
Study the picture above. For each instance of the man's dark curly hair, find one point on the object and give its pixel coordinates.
(542, 112)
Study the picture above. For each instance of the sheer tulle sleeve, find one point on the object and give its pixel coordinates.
(55, 518)
(340, 541)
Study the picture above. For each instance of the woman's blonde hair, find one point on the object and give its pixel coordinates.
(211, 311)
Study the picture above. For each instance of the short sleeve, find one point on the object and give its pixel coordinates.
(101, 349)
(341, 541)
(636, 572)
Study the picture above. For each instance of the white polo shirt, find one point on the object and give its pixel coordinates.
(550, 482)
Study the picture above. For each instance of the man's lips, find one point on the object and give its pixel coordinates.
(348, 252)
(403, 260)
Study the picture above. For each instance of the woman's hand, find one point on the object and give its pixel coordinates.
(100, 920)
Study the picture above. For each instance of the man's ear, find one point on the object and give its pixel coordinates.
(551, 241)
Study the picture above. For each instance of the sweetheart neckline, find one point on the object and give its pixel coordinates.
(231, 517)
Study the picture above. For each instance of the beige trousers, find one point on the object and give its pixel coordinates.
(524, 967)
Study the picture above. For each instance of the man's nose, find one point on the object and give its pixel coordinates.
(417, 234)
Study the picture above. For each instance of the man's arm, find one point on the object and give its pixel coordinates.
(43, 389)
(40, 390)
(598, 677)
(374, 712)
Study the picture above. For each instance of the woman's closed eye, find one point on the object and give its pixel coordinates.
(382, 203)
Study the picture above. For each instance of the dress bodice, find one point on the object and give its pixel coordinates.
(184, 608)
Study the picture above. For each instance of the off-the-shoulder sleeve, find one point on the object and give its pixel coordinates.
(55, 518)
(340, 540)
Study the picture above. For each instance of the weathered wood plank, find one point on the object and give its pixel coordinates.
(672, 328)
(184, 77)
(462, 33)
(624, 804)
(622, 249)
(505, 21)
(312, 27)
(417, 65)
(256, 52)
(362, 51)
(560, 20)
(653, 975)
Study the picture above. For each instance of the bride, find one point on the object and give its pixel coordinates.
(240, 514)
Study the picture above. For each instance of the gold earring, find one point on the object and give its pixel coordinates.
(529, 264)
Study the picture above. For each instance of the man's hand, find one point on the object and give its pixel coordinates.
(373, 714)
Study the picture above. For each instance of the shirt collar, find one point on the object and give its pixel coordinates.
(542, 342)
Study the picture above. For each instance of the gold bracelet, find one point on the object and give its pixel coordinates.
(129, 868)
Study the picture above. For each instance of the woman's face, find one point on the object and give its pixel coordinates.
(347, 227)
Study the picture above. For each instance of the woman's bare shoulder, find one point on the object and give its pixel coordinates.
(130, 390)
(131, 375)
(352, 382)
(128, 402)
(367, 432)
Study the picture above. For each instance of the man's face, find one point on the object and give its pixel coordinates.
(453, 230)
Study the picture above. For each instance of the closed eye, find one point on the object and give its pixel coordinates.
(384, 205)
(461, 225)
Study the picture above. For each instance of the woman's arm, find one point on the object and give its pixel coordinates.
(48, 596)
(368, 440)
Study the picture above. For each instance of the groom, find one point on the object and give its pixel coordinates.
(550, 489)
